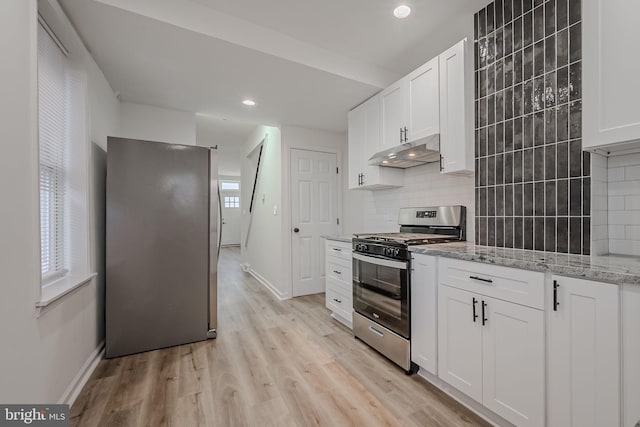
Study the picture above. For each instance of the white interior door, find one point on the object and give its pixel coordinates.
(313, 214)
(230, 200)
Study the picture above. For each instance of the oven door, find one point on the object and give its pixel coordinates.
(381, 291)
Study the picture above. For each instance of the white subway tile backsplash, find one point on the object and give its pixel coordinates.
(617, 232)
(616, 203)
(624, 188)
(632, 172)
(623, 218)
(632, 203)
(623, 173)
(624, 247)
(615, 174)
(624, 160)
(424, 186)
(632, 232)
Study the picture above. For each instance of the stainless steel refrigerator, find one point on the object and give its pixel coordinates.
(161, 245)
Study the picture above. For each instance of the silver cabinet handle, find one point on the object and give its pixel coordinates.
(339, 301)
(337, 249)
(375, 331)
(337, 272)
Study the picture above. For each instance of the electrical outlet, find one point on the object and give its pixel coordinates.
(275, 210)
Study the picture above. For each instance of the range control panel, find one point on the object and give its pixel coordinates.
(426, 214)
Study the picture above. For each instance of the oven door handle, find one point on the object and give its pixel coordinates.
(402, 265)
(380, 291)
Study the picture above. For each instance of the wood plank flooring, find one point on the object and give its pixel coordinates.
(274, 363)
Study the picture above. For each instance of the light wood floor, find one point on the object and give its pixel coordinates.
(273, 364)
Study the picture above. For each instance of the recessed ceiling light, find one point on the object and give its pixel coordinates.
(401, 11)
(384, 162)
(412, 154)
(249, 102)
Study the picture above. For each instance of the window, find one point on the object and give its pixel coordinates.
(63, 168)
(231, 201)
(229, 185)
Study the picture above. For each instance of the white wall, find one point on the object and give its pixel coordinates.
(40, 357)
(424, 186)
(150, 123)
(263, 254)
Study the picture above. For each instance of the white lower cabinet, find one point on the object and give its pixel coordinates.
(338, 281)
(493, 351)
(584, 354)
(460, 341)
(513, 362)
(424, 320)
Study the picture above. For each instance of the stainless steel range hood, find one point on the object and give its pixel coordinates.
(420, 152)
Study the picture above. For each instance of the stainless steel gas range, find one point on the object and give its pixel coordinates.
(382, 277)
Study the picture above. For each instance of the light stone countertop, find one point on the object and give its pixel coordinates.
(345, 239)
(617, 269)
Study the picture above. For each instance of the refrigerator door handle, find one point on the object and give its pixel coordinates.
(219, 221)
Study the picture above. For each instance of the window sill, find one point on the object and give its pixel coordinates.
(61, 287)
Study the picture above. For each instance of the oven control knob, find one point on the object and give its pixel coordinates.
(365, 247)
(396, 252)
(389, 251)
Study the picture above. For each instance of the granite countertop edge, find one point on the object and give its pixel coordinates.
(612, 269)
(345, 239)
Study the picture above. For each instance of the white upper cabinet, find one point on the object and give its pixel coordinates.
(456, 127)
(364, 141)
(411, 107)
(610, 70)
(422, 103)
(583, 330)
(393, 111)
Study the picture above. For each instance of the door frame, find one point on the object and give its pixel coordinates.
(287, 226)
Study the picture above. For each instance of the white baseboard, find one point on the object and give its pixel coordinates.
(280, 295)
(475, 407)
(73, 390)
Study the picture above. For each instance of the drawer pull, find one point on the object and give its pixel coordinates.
(337, 272)
(375, 331)
(339, 301)
(481, 279)
(337, 249)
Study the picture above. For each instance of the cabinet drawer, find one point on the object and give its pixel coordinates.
(339, 269)
(509, 284)
(342, 288)
(338, 300)
(339, 249)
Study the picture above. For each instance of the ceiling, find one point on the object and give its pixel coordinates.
(305, 62)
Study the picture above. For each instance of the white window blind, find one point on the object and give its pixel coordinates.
(54, 132)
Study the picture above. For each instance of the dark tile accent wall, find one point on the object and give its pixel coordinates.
(532, 178)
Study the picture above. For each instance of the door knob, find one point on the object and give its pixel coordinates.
(295, 230)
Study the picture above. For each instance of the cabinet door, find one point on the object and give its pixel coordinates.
(356, 142)
(424, 326)
(609, 72)
(513, 362)
(456, 138)
(393, 114)
(584, 354)
(423, 101)
(459, 341)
